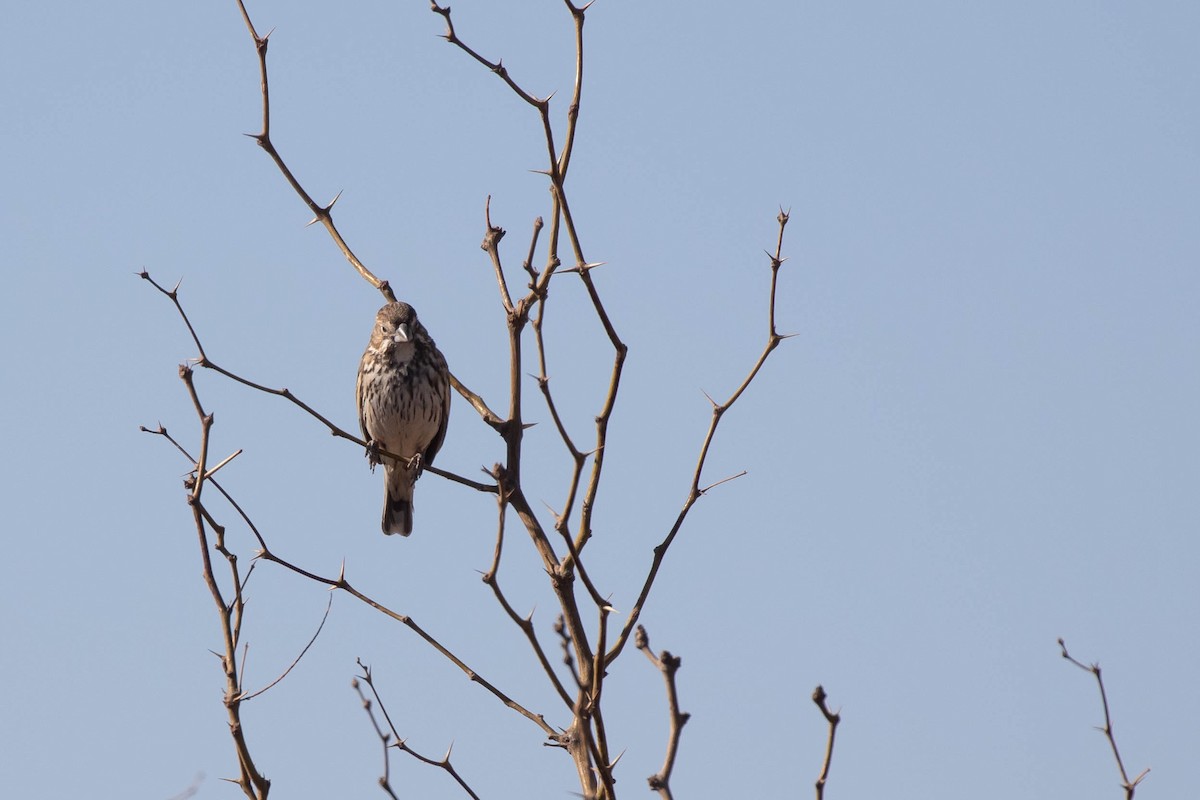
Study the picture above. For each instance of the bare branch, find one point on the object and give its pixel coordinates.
(226, 460)
(477, 402)
(340, 582)
(492, 579)
(491, 245)
(173, 295)
(712, 486)
(1130, 786)
(564, 158)
(562, 521)
(668, 665)
(385, 737)
(719, 409)
(292, 666)
(527, 265)
(161, 431)
(498, 67)
(321, 213)
(252, 782)
(574, 562)
(556, 170)
(833, 719)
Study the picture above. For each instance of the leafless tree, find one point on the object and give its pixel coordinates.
(585, 630)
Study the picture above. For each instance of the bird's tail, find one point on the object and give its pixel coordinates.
(398, 501)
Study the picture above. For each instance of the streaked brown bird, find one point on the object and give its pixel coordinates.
(403, 398)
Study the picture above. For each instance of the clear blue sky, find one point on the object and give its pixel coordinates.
(983, 437)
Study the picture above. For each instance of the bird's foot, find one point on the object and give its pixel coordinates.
(416, 466)
(372, 454)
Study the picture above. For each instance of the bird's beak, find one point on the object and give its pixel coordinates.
(402, 335)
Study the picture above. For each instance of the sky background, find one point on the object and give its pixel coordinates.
(982, 437)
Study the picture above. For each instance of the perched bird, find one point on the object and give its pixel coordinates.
(403, 395)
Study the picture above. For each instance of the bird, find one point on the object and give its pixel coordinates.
(403, 397)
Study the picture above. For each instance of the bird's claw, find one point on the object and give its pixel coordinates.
(416, 466)
(372, 454)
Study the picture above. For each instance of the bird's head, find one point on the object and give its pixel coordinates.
(396, 329)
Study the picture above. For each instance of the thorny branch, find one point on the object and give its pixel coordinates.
(322, 214)
(718, 411)
(1130, 786)
(586, 739)
(340, 582)
(204, 361)
(386, 737)
(252, 782)
(558, 165)
(525, 624)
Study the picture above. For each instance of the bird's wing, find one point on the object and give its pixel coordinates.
(440, 437)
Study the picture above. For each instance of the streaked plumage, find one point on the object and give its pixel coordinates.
(403, 396)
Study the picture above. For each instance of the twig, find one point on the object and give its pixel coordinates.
(712, 486)
(386, 736)
(341, 583)
(481, 407)
(561, 215)
(695, 492)
(568, 659)
(527, 265)
(161, 431)
(252, 782)
(204, 361)
(578, 459)
(322, 214)
(492, 579)
(491, 245)
(667, 664)
(265, 554)
(498, 67)
(833, 719)
(1130, 786)
(226, 460)
(284, 674)
(564, 158)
